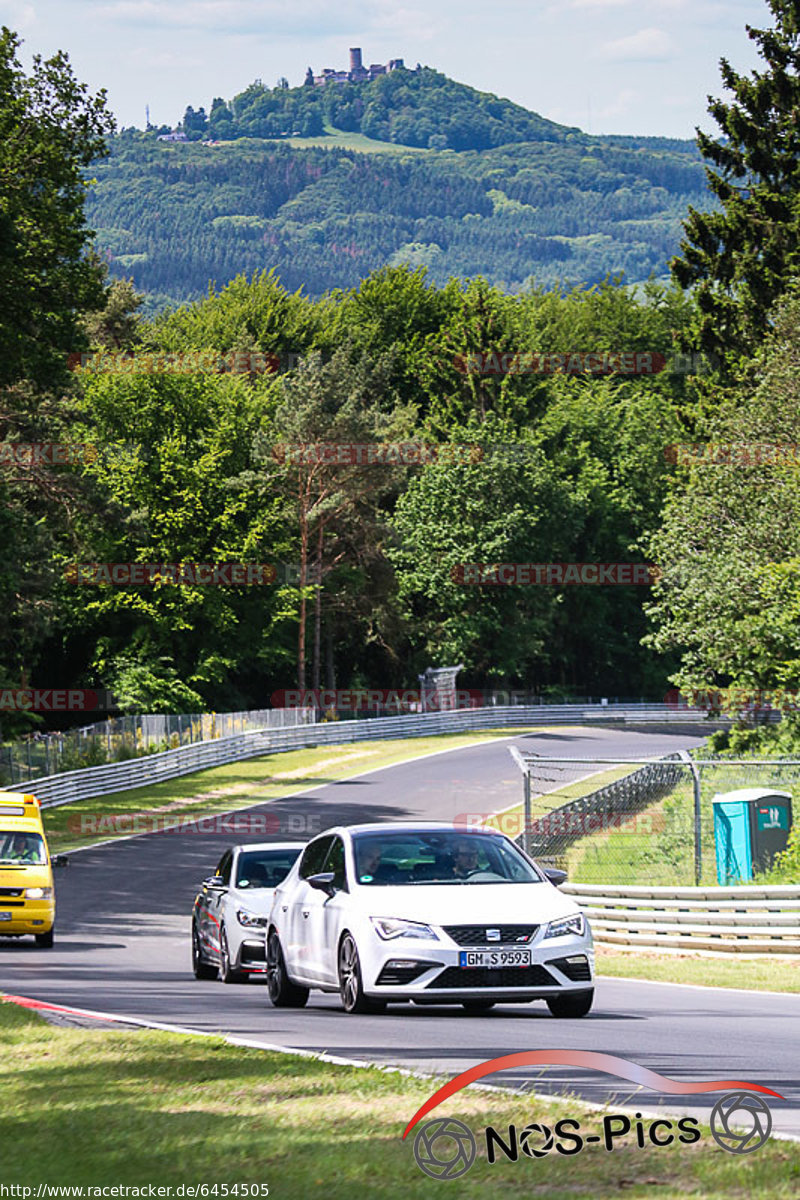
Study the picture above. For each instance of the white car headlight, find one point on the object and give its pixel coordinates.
(393, 927)
(575, 924)
(40, 893)
(249, 919)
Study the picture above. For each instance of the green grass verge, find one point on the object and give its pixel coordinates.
(772, 973)
(660, 850)
(242, 784)
(94, 1108)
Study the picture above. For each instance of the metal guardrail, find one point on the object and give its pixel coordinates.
(39, 756)
(72, 786)
(736, 920)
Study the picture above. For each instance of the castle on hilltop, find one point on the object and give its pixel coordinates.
(358, 73)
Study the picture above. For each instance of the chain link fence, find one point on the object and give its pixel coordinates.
(631, 823)
(122, 738)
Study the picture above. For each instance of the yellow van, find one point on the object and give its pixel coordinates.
(27, 895)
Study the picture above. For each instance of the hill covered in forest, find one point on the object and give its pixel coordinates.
(326, 184)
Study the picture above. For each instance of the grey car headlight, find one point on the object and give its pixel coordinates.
(393, 927)
(250, 920)
(575, 924)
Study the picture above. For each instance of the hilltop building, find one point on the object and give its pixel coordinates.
(357, 73)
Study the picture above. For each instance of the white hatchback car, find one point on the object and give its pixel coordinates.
(429, 913)
(231, 910)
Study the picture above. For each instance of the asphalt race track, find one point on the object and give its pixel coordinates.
(122, 947)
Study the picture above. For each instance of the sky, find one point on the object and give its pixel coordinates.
(642, 67)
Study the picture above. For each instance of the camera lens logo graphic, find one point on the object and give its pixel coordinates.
(536, 1140)
(444, 1149)
(750, 1113)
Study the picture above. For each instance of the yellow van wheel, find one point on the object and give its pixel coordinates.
(45, 940)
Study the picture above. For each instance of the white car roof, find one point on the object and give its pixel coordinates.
(412, 827)
(269, 846)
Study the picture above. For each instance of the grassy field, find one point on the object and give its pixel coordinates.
(340, 139)
(94, 1107)
(771, 973)
(661, 851)
(240, 785)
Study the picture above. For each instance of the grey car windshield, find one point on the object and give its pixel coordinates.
(398, 859)
(264, 868)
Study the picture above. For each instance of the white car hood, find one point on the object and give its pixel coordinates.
(469, 904)
(257, 901)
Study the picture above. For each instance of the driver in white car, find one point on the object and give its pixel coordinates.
(465, 860)
(373, 867)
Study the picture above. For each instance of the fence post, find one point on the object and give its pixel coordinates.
(698, 856)
(527, 786)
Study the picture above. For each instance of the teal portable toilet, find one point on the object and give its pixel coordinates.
(751, 826)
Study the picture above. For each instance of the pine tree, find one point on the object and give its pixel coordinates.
(742, 257)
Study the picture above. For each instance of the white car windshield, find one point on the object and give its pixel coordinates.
(23, 848)
(264, 868)
(399, 859)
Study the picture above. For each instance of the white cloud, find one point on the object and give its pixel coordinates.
(416, 25)
(648, 45)
(262, 17)
(598, 4)
(620, 105)
(19, 15)
(145, 58)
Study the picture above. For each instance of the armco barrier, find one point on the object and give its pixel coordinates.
(736, 920)
(71, 786)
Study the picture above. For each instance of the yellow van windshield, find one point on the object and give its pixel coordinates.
(22, 848)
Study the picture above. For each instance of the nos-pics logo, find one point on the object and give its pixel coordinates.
(445, 1148)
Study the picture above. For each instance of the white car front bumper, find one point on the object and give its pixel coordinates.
(433, 971)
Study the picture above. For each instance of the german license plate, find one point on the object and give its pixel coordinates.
(494, 958)
(6, 916)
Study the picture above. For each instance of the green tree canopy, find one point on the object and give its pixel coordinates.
(741, 256)
(729, 546)
(51, 129)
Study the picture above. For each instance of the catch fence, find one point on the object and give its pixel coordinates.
(632, 822)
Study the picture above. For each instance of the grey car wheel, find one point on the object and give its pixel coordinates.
(201, 969)
(227, 973)
(282, 992)
(351, 988)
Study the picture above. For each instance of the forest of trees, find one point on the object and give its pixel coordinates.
(420, 108)
(174, 216)
(563, 467)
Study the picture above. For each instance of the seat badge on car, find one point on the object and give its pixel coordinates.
(493, 935)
